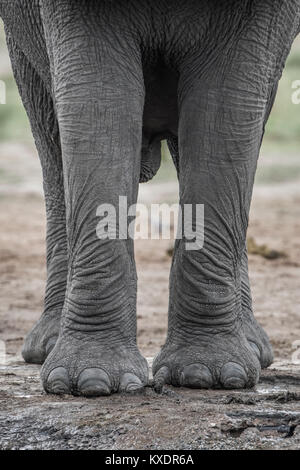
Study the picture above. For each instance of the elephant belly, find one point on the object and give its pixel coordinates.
(160, 119)
(161, 108)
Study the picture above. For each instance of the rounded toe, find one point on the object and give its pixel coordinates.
(161, 377)
(58, 381)
(130, 383)
(94, 382)
(196, 376)
(233, 376)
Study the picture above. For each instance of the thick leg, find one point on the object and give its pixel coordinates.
(254, 333)
(206, 345)
(99, 101)
(39, 106)
(223, 109)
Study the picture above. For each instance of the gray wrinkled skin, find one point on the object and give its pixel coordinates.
(103, 82)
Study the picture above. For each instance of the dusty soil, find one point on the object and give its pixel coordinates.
(265, 418)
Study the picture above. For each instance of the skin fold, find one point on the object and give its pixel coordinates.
(103, 82)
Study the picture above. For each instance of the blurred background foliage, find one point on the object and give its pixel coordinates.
(280, 161)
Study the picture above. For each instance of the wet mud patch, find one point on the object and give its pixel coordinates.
(267, 417)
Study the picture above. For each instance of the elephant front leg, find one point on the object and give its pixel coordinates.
(255, 334)
(100, 120)
(96, 352)
(219, 140)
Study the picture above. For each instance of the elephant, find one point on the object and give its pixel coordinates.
(103, 83)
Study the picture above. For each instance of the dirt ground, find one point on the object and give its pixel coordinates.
(267, 417)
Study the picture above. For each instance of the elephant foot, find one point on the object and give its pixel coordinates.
(86, 366)
(257, 339)
(42, 338)
(212, 360)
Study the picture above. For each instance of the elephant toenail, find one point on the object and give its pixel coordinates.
(161, 377)
(50, 344)
(130, 383)
(255, 349)
(58, 381)
(196, 376)
(94, 382)
(233, 376)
